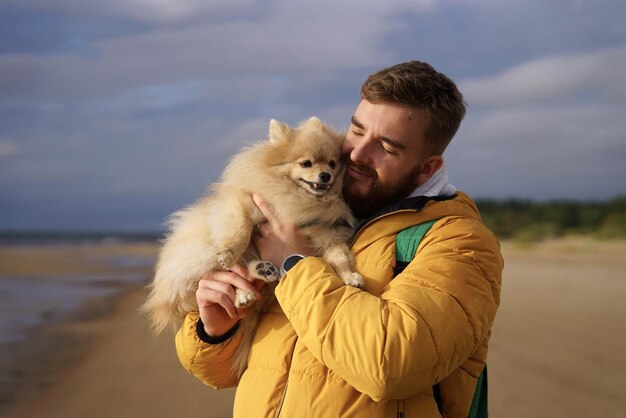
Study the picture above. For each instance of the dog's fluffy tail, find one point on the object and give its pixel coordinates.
(164, 311)
(173, 290)
(184, 257)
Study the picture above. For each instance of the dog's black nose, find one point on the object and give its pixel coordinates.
(325, 177)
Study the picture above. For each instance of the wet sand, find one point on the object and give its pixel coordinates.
(102, 361)
(557, 348)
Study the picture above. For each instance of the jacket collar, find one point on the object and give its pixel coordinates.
(414, 203)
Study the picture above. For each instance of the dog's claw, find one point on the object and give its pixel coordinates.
(354, 280)
(243, 299)
(225, 258)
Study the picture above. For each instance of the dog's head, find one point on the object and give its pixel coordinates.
(310, 154)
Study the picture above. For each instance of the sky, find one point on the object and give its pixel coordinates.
(114, 114)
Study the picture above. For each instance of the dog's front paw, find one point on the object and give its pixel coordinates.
(354, 280)
(243, 298)
(226, 258)
(263, 270)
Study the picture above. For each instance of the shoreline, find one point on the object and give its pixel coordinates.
(55, 348)
(101, 360)
(91, 280)
(122, 371)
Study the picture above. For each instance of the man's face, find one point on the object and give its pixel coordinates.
(384, 150)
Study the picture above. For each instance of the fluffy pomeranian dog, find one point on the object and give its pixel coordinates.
(300, 173)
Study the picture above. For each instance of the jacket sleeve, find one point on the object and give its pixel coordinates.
(424, 325)
(211, 363)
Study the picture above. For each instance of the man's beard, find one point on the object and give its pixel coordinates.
(380, 194)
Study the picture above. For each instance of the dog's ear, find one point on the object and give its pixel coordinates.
(279, 131)
(315, 122)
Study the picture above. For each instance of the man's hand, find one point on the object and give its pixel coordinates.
(216, 297)
(275, 240)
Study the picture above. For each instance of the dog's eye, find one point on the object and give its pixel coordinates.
(332, 164)
(306, 164)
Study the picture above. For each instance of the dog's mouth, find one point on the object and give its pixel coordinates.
(317, 188)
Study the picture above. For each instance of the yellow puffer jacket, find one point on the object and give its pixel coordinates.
(328, 350)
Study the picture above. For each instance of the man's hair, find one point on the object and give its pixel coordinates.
(419, 85)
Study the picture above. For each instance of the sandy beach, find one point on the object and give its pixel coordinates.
(557, 348)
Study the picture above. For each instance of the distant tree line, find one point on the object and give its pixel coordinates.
(527, 220)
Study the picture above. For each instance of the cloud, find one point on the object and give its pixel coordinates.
(600, 73)
(133, 107)
(154, 11)
(7, 148)
(297, 39)
(584, 129)
(550, 127)
(161, 11)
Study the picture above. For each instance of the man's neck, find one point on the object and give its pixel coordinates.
(437, 185)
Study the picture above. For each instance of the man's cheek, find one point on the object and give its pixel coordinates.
(346, 147)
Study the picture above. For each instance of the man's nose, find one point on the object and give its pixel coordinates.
(359, 151)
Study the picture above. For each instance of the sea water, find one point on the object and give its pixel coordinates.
(30, 302)
(27, 302)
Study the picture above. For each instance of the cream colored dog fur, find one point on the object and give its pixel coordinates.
(299, 172)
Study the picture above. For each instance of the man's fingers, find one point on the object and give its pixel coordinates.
(264, 207)
(264, 229)
(241, 271)
(211, 296)
(230, 278)
(221, 287)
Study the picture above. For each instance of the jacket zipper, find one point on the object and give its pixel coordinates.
(401, 408)
(282, 399)
(284, 394)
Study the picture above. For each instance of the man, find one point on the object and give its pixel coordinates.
(413, 345)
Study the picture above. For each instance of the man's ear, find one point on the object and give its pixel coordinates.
(279, 131)
(429, 167)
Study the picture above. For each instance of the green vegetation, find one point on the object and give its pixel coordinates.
(529, 221)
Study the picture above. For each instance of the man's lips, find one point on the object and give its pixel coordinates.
(359, 173)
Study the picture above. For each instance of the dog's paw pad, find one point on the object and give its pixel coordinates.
(264, 270)
(225, 258)
(354, 280)
(244, 299)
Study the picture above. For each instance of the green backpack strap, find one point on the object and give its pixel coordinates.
(479, 403)
(407, 242)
